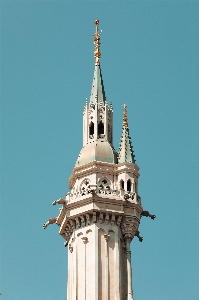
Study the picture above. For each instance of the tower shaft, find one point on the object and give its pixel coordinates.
(97, 261)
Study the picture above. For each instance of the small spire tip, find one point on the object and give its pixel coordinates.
(125, 119)
(96, 35)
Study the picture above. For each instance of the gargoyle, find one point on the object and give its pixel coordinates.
(59, 201)
(138, 236)
(66, 244)
(50, 221)
(145, 213)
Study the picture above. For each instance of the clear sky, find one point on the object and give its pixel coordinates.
(150, 61)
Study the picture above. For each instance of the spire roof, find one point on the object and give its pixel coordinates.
(126, 149)
(97, 91)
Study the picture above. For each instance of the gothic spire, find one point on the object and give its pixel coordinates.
(97, 91)
(125, 150)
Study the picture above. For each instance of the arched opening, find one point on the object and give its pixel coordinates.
(129, 185)
(100, 128)
(122, 184)
(91, 129)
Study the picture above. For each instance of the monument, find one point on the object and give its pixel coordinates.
(101, 214)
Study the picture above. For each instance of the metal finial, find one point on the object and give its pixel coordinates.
(125, 119)
(97, 43)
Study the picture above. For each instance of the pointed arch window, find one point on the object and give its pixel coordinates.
(129, 185)
(122, 184)
(91, 129)
(100, 128)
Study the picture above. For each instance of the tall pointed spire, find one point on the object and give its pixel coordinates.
(125, 150)
(97, 91)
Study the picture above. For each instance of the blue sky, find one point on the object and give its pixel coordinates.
(150, 61)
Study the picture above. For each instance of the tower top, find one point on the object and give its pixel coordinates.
(96, 35)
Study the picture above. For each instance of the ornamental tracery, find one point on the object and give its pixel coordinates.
(104, 186)
(85, 187)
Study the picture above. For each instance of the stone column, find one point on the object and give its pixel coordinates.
(128, 239)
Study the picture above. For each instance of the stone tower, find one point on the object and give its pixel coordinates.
(101, 214)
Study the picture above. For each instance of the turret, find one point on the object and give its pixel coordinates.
(97, 114)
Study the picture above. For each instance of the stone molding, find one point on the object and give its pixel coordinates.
(128, 224)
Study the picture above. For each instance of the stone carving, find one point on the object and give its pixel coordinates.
(72, 224)
(67, 234)
(80, 233)
(101, 110)
(101, 189)
(129, 195)
(128, 237)
(77, 222)
(91, 106)
(115, 193)
(82, 220)
(145, 213)
(85, 240)
(50, 221)
(129, 226)
(104, 186)
(88, 219)
(94, 217)
(119, 220)
(85, 187)
(101, 218)
(107, 219)
(138, 236)
(70, 229)
(128, 223)
(70, 248)
(59, 201)
(126, 196)
(113, 219)
(106, 236)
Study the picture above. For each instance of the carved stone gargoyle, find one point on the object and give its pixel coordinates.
(138, 236)
(59, 201)
(50, 221)
(145, 213)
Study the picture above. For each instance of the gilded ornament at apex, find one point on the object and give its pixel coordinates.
(97, 43)
(125, 119)
(96, 22)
